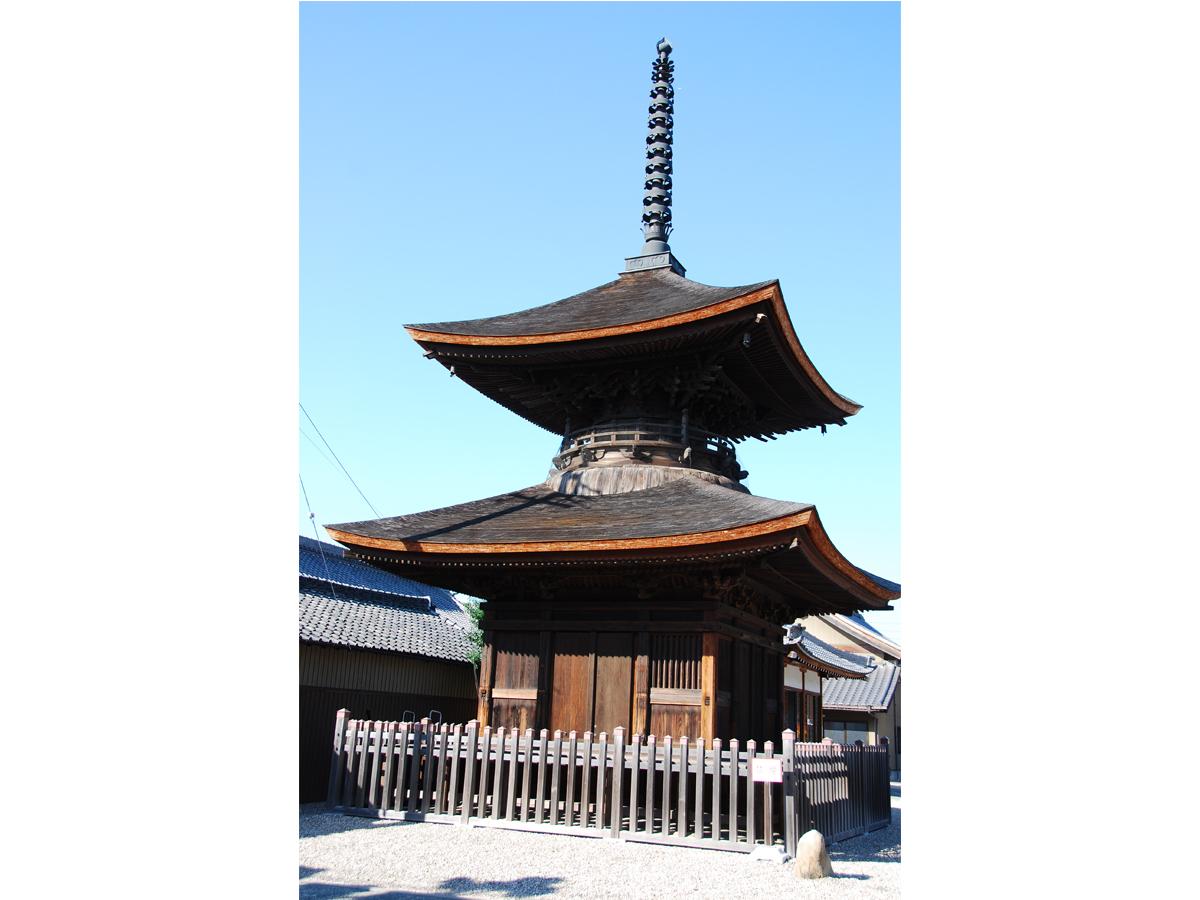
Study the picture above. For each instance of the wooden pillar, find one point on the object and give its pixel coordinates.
(708, 687)
(641, 683)
(487, 657)
(742, 698)
(541, 712)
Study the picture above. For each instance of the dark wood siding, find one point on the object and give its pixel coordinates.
(371, 685)
(614, 682)
(570, 707)
(342, 667)
(515, 681)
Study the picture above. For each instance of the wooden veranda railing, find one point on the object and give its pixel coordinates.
(660, 791)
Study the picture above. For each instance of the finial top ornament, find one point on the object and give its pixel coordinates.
(656, 202)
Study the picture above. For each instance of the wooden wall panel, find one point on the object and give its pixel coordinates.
(508, 714)
(516, 661)
(318, 711)
(641, 684)
(676, 720)
(741, 700)
(571, 679)
(614, 682)
(367, 670)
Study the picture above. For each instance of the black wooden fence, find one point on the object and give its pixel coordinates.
(659, 791)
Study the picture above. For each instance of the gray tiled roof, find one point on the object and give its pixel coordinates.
(375, 610)
(326, 562)
(857, 629)
(819, 650)
(873, 693)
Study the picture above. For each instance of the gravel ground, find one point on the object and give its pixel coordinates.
(346, 856)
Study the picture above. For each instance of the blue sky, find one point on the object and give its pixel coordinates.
(463, 160)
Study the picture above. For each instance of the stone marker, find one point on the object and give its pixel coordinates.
(812, 861)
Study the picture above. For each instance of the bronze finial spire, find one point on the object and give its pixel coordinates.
(656, 217)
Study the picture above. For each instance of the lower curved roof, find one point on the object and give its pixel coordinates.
(684, 516)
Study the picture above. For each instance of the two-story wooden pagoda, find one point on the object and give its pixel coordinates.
(640, 584)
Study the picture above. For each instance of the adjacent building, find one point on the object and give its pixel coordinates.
(863, 709)
(379, 644)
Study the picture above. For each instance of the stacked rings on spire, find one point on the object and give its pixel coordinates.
(656, 216)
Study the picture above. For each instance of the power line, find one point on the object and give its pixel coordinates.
(320, 549)
(339, 462)
(324, 455)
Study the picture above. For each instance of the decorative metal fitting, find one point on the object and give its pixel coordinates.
(656, 219)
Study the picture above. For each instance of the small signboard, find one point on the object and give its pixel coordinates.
(766, 769)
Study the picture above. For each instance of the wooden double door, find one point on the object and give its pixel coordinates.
(566, 680)
(592, 681)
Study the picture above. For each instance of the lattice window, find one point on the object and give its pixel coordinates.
(675, 661)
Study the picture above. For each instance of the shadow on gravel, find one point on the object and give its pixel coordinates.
(533, 886)
(448, 890)
(315, 890)
(878, 846)
(316, 820)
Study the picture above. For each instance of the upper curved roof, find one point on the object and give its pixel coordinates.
(739, 341)
(631, 298)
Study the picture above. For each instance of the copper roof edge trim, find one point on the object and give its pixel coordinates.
(642, 543)
(809, 523)
(555, 337)
(823, 547)
(772, 293)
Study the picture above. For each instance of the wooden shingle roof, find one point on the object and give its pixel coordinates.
(655, 335)
(631, 298)
(687, 518)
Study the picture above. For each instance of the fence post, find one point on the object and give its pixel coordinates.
(525, 774)
(789, 791)
(572, 749)
(716, 790)
(389, 758)
(540, 808)
(585, 781)
(652, 754)
(750, 810)
(665, 818)
(469, 774)
(682, 792)
(335, 759)
(768, 799)
(555, 778)
(618, 779)
(733, 790)
(498, 776)
(452, 794)
(601, 776)
(430, 758)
